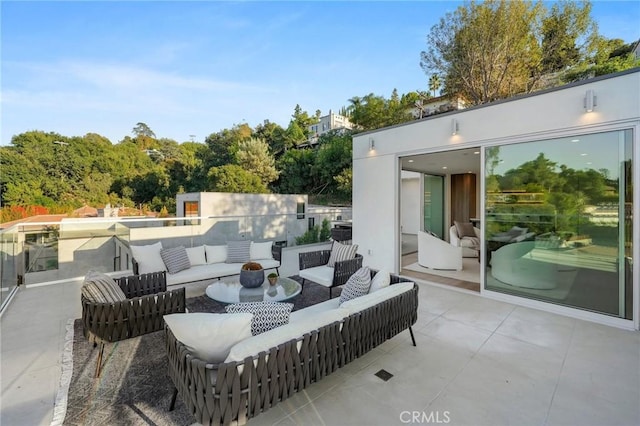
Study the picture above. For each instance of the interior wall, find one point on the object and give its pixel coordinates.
(410, 203)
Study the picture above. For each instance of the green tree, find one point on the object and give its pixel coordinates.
(297, 174)
(253, 155)
(141, 129)
(222, 144)
(434, 83)
(233, 178)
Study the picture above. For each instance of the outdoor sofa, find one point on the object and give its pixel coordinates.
(266, 369)
(205, 262)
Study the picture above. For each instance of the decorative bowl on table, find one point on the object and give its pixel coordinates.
(251, 275)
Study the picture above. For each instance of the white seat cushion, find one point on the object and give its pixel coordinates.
(327, 305)
(259, 251)
(322, 275)
(204, 272)
(368, 300)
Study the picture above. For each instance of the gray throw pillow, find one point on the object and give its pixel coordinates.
(266, 315)
(176, 259)
(357, 285)
(465, 229)
(238, 251)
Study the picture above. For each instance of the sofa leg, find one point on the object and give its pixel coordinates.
(413, 339)
(99, 362)
(330, 296)
(277, 272)
(302, 286)
(173, 399)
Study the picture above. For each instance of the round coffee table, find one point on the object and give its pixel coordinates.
(231, 291)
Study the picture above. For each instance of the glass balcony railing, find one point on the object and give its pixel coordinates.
(35, 253)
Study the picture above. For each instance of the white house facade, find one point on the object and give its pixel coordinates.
(559, 167)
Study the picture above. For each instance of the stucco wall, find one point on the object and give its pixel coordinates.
(554, 113)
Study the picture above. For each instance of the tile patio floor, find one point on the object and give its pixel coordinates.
(477, 362)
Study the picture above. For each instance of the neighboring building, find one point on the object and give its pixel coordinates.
(437, 105)
(327, 123)
(574, 252)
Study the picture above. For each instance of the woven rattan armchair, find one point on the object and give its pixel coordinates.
(324, 275)
(147, 302)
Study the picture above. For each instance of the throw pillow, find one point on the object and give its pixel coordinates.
(464, 229)
(357, 285)
(176, 259)
(260, 251)
(210, 336)
(381, 280)
(266, 315)
(340, 252)
(101, 288)
(197, 255)
(238, 251)
(148, 258)
(216, 254)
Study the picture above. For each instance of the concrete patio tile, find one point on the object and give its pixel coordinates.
(539, 328)
(271, 417)
(596, 342)
(437, 301)
(458, 334)
(313, 391)
(35, 355)
(28, 398)
(480, 313)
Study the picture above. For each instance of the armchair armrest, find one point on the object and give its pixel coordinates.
(345, 268)
(276, 252)
(311, 259)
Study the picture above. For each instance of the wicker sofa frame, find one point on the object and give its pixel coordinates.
(147, 302)
(226, 394)
(341, 271)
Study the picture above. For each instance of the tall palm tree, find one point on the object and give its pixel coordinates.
(434, 83)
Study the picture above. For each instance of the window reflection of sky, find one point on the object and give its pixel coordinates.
(601, 151)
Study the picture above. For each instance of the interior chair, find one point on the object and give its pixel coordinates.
(141, 313)
(314, 267)
(470, 244)
(433, 253)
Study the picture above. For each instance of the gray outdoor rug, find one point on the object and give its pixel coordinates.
(134, 388)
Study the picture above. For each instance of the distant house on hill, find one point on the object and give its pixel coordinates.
(438, 105)
(327, 123)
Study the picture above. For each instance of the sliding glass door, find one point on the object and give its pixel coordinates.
(558, 221)
(434, 204)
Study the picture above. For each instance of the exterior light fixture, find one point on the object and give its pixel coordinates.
(590, 101)
(454, 127)
(372, 144)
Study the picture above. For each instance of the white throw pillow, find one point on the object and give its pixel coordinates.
(196, 255)
(216, 254)
(381, 280)
(148, 258)
(260, 251)
(210, 336)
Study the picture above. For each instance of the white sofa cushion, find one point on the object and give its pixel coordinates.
(259, 251)
(216, 254)
(196, 255)
(381, 280)
(148, 258)
(294, 330)
(210, 336)
(204, 272)
(327, 305)
(368, 300)
(322, 275)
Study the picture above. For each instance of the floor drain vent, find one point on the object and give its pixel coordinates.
(384, 375)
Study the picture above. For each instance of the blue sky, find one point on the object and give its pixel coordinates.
(194, 68)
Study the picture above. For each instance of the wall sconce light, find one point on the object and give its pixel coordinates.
(372, 144)
(590, 100)
(454, 127)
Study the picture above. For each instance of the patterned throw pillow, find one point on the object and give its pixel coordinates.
(266, 315)
(357, 285)
(238, 251)
(101, 288)
(340, 252)
(176, 259)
